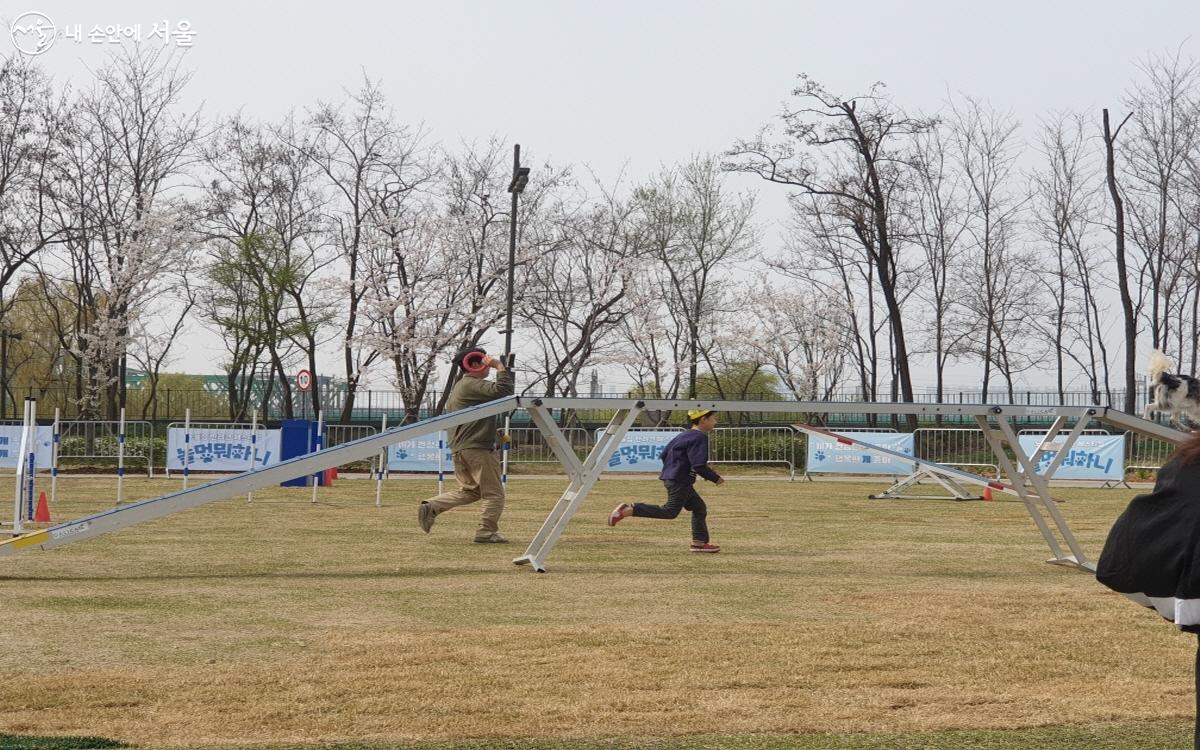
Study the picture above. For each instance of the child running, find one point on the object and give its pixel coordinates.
(684, 457)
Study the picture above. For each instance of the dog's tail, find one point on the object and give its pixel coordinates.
(1159, 364)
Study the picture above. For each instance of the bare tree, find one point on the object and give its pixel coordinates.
(869, 134)
(578, 296)
(151, 346)
(30, 128)
(825, 251)
(939, 220)
(365, 156)
(239, 161)
(1127, 306)
(999, 301)
(695, 228)
(1064, 210)
(125, 147)
(294, 218)
(800, 334)
(1165, 132)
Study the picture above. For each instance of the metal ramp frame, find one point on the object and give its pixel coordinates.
(1027, 484)
(1034, 506)
(128, 515)
(898, 491)
(583, 475)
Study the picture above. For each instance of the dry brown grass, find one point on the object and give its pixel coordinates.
(284, 620)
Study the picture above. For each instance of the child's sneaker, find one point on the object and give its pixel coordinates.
(618, 513)
(706, 547)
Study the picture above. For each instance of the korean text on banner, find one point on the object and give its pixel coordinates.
(420, 453)
(640, 450)
(222, 449)
(1100, 457)
(827, 456)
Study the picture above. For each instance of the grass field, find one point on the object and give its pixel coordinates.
(827, 621)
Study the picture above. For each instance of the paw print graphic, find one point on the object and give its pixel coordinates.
(819, 455)
(401, 454)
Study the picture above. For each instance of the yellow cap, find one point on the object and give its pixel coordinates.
(697, 413)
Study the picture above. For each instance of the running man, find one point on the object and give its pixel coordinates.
(473, 447)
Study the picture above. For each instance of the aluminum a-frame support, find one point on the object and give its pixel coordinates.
(583, 475)
(1034, 488)
(1078, 559)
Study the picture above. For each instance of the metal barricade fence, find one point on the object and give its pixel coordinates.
(338, 434)
(754, 445)
(1146, 453)
(198, 432)
(98, 441)
(955, 446)
(528, 445)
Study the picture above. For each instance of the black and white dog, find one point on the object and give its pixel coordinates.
(1173, 394)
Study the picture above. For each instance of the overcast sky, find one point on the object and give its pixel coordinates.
(634, 85)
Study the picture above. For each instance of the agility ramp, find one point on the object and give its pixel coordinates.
(1042, 509)
(949, 477)
(996, 421)
(125, 516)
(1024, 480)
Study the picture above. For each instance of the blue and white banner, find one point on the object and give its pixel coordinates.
(420, 454)
(10, 446)
(640, 450)
(1092, 457)
(218, 449)
(828, 456)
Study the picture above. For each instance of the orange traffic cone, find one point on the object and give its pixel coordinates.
(987, 493)
(42, 514)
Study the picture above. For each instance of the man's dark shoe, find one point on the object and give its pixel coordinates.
(425, 516)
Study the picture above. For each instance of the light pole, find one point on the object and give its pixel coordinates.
(520, 178)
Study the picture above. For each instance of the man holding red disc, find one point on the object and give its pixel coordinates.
(473, 447)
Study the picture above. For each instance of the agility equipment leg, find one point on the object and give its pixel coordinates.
(583, 476)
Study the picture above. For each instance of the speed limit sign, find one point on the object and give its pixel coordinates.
(303, 380)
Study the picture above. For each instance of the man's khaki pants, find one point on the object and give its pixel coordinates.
(478, 474)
